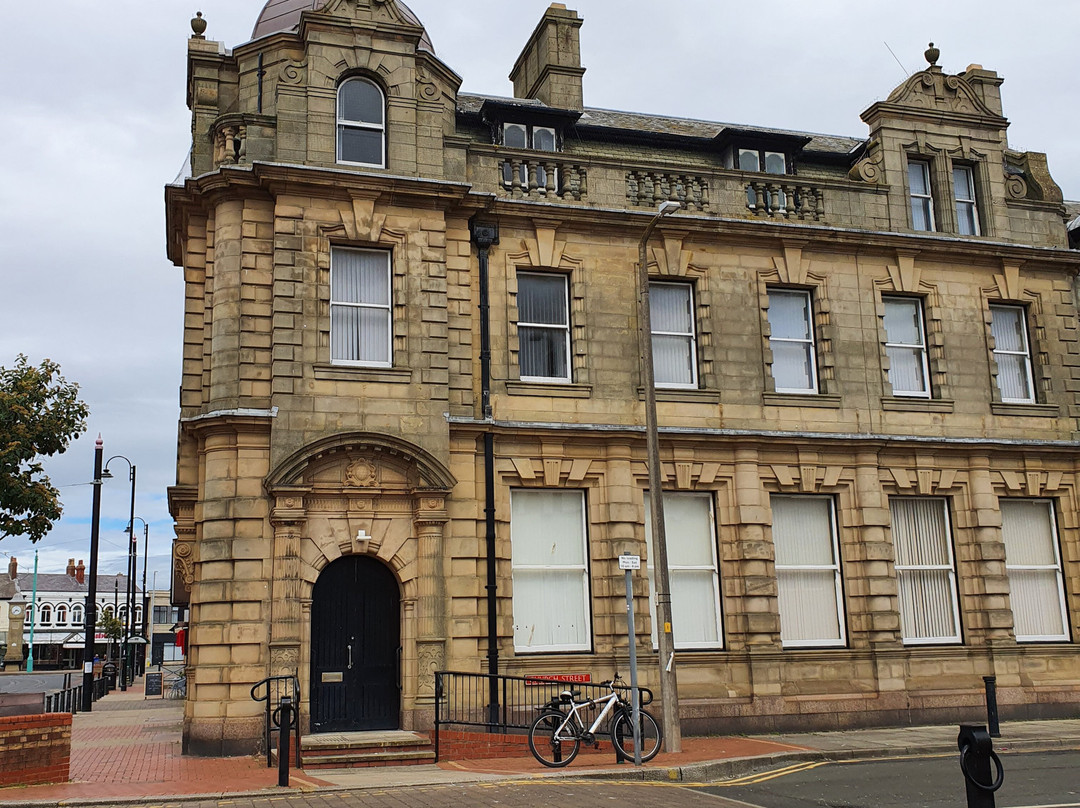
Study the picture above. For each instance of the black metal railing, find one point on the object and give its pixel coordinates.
(462, 699)
(69, 700)
(271, 690)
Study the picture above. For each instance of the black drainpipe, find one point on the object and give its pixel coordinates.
(261, 73)
(485, 234)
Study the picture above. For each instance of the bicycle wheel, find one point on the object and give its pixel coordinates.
(622, 735)
(550, 746)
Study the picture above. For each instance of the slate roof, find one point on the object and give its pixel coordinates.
(47, 582)
(284, 15)
(667, 125)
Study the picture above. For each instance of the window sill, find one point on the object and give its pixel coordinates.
(549, 389)
(351, 373)
(1028, 410)
(913, 404)
(683, 395)
(801, 400)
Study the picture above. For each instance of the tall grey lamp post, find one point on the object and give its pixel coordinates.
(90, 609)
(126, 659)
(140, 630)
(669, 686)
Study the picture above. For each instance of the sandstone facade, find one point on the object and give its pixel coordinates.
(291, 458)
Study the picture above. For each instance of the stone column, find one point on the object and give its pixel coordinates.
(429, 522)
(289, 520)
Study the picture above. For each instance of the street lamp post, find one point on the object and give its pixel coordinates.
(142, 629)
(125, 667)
(669, 686)
(90, 621)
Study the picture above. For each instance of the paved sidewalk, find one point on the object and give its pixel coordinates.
(128, 750)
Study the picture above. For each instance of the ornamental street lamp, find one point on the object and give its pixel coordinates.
(669, 686)
(125, 668)
(90, 611)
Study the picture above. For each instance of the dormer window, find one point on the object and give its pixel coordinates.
(524, 136)
(361, 124)
(762, 160)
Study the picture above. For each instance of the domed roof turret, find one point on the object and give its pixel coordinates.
(284, 15)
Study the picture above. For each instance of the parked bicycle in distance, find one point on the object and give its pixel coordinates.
(556, 735)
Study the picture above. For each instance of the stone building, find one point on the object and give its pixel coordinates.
(411, 431)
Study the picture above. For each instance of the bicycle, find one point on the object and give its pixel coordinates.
(555, 737)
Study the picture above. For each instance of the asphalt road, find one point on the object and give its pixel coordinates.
(1035, 779)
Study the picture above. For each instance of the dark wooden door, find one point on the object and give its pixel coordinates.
(355, 638)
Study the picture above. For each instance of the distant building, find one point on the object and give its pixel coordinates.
(411, 430)
(57, 615)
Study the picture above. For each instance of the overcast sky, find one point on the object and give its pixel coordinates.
(95, 124)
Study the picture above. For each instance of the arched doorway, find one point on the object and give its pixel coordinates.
(355, 647)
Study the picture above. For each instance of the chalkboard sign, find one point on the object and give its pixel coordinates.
(153, 684)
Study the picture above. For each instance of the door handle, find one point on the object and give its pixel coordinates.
(350, 655)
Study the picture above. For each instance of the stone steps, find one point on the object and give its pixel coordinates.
(347, 750)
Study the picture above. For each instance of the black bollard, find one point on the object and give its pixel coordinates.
(991, 706)
(284, 731)
(977, 759)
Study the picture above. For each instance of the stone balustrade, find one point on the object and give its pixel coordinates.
(230, 144)
(780, 199)
(650, 188)
(540, 177)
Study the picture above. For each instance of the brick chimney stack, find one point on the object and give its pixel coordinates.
(13, 568)
(80, 572)
(70, 568)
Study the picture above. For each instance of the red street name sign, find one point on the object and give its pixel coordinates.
(575, 678)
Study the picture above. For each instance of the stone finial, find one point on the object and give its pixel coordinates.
(198, 25)
(932, 55)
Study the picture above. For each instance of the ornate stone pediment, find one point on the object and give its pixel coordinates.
(932, 89)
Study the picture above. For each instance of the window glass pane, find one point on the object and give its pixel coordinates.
(672, 360)
(926, 584)
(360, 101)
(921, 214)
(543, 139)
(547, 528)
(775, 163)
(918, 179)
(669, 305)
(1036, 604)
(515, 136)
(542, 352)
(802, 530)
(360, 334)
(360, 145)
(965, 218)
(1007, 326)
(789, 314)
(547, 538)
(360, 276)
(962, 184)
(692, 571)
(902, 321)
(549, 610)
(1027, 532)
(792, 366)
(807, 603)
(542, 299)
(1013, 378)
(906, 370)
(749, 160)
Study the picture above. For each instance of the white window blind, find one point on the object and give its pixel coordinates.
(360, 307)
(791, 341)
(692, 570)
(909, 373)
(543, 327)
(1012, 354)
(925, 572)
(807, 571)
(672, 315)
(1033, 564)
(549, 560)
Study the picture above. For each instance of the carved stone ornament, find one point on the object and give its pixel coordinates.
(293, 73)
(362, 473)
(430, 660)
(284, 661)
(183, 560)
(868, 169)
(426, 89)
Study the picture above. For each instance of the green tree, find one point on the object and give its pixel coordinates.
(112, 628)
(40, 414)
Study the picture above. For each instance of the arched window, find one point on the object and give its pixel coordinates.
(138, 615)
(361, 124)
(77, 617)
(45, 614)
(61, 615)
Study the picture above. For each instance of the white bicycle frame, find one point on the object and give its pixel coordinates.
(611, 700)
